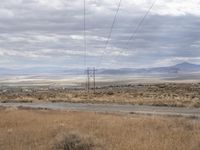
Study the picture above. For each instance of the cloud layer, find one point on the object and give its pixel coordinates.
(50, 33)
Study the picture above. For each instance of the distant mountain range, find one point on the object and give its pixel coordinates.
(40, 71)
(184, 67)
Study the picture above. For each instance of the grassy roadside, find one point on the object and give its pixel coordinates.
(40, 129)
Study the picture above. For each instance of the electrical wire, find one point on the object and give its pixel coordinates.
(110, 32)
(84, 34)
(113, 23)
(132, 37)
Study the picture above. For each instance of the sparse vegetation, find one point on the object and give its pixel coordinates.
(160, 94)
(74, 141)
(42, 129)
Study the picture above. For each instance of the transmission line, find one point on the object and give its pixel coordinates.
(113, 23)
(132, 37)
(84, 35)
(111, 30)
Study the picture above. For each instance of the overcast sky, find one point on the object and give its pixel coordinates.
(49, 33)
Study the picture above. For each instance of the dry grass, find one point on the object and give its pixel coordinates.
(74, 141)
(162, 94)
(37, 129)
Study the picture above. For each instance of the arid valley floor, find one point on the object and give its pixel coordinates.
(41, 129)
(156, 94)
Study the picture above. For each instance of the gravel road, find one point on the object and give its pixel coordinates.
(112, 108)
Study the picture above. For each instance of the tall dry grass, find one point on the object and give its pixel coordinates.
(38, 129)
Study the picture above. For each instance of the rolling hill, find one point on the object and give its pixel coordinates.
(184, 67)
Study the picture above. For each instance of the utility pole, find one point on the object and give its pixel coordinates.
(88, 80)
(94, 80)
(91, 73)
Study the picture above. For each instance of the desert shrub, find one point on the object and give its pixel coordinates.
(75, 141)
(110, 93)
(196, 105)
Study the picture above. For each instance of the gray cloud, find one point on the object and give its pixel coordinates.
(50, 33)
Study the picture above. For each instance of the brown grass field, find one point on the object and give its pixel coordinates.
(43, 129)
(158, 94)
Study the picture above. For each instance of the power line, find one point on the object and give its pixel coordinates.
(132, 37)
(84, 27)
(85, 46)
(140, 23)
(113, 23)
(88, 71)
(134, 33)
(111, 30)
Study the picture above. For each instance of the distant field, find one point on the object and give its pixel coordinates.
(78, 81)
(43, 130)
(164, 90)
(157, 94)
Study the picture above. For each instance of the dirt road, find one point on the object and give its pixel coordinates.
(112, 108)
